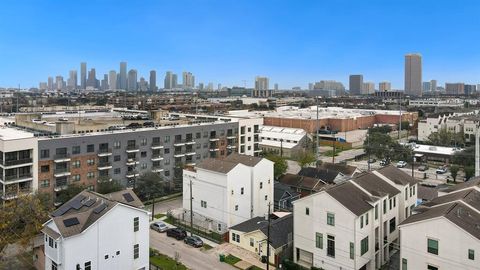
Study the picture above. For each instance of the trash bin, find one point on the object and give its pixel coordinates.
(222, 257)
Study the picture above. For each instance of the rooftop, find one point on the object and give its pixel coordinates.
(352, 197)
(226, 164)
(9, 133)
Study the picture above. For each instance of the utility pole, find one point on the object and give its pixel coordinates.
(368, 149)
(334, 144)
(318, 137)
(281, 147)
(400, 119)
(268, 237)
(191, 209)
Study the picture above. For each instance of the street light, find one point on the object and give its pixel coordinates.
(268, 236)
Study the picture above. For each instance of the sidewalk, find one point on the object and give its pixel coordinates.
(244, 255)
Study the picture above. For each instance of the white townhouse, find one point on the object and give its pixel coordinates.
(445, 232)
(94, 231)
(228, 191)
(353, 225)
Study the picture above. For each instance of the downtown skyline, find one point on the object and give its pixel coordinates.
(205, 41)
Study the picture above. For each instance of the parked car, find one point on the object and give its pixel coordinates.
(401, 164)
(159, 227)
(384, 162)
(441, 170)
(423, 167)
(176, 233)
(193, 241)
(371, 160)
(148, 124)
(134, 125)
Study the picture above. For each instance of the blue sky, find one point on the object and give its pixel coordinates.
(292, 42)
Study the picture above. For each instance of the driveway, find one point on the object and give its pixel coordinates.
(191, 257)
(165, 206)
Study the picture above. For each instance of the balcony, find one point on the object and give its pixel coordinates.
(183, 142)
(231, 136)
(214, 139)
(104, 166)
(61, 172)
(132, 174)
(256, 130)
(157, 158)
(178, 154)
(132, 148)
(132, 162)
(157, 169)
(190, 153)
(103, 152)
(15, 162)
(156, 146)
(18, 178)
(214, 149)
(58, 158)
(231, 146)
(60, 187)
(14, 195)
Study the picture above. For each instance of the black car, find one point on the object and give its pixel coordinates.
(193, 241)
(149, 124)
(134, 125)
(176, 233)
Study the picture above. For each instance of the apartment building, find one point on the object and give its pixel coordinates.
(124, 155)
(353, 225)
(445, 233)
(228, 191)
(93, 231)
(465, 123)
(18, 163)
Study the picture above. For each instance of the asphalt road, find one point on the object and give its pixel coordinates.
(191, 257)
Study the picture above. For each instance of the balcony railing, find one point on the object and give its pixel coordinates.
(17, 161)
(17, 177)
(104, 150)
(104, 164)
(132, 147)
(61, 170)
(62, 156)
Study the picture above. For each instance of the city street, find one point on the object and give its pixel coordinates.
(164, 206)
(191, 257)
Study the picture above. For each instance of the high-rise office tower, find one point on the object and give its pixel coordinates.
(413, 74)
(470, 89)
(42, 86)
(174, 81)
(261, 83)
(83, 75)
(153, 81)
(433, 85)
(50, 83)
(92, 81)
(104, 82)
(210, 86)
(455, 88)
(275, 87)
(200, 86)
(426, 87)
(384, 86)
(142, 85)
(355, 84)
(188, 80)
(72, 80)
(59, 83)
(132, 80)
(168, 81)
(123, 76)
(368, 88)
(112, 80)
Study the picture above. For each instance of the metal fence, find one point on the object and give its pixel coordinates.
(198, 230)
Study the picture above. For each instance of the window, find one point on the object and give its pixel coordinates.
(117, 171)
(352, 250)
(135, 224)
(404, 264)
(167, 139)
(76, 149)
(361, 222)
(261, 185)
(143, 142)
(307, 211)
(252, 242)
(203, 204)
(90, 162)
(166, 173)
(44, 153)
(331, 219)
(88, 266)
(432, 246)
(117, 158)
(406, 193)
(241, 191)
(413, 190)
(76, 164)
(431, 267)
(143, 166)
(390, 204)
(364, 246)
(45, 168)
(106, 257)
(135, 251)
(90, 148)
(166, 151)
(319, 240)
(50, 242)
(266, 197)
(471, 254)
(393, 225)
(76, 177)
(366, 219)
(376, 212)
(331, 246)
(54, 265)
(118, 252)
(117, 145)
(45, 183)
(384, 206)
(90, 175)
(198, 135)
(236, 207)
(406, 212)
(143, 154)
(394, 201)
(219, 227)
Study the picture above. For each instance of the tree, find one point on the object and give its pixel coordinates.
(23, 218)
(106, 186)
(443, 137)
(149, 185)
(280, 164)
(469, 172)
(305, 158)
(380, 129)
(405, 125)
(465, 157)
(68, 193)
(454, 172)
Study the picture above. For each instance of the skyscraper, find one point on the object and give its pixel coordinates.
(153, 81)
(433, 85)
(50, 83)
(261, 83)
(384, 86)
(174, 81)
(275, 87)
(168, 81)
(188, 80)
(112, 80)
(92, 81)
(132, 80)
(413, 74)
(426, 87)
(72, 80)
(83, 75)
(455, 88)
(123, 76)
(355, 84)
(368, 88)
(142, 85)
(59, 83)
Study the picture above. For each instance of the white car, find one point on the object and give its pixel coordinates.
(441, 170)
(159, 226)
(401, 164)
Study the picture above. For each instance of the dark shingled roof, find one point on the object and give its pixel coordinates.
(352, 197)
(470, 183)
(281, 229)
(342, 168)
(302, 182)
(225, 165)
(280, 190)
(398, 176)
(469, 196)
(375, 185)
(427, 193)
(325, 175)
(87, 207)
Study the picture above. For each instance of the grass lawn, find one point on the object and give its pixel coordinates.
(254, 267)
(329, 153)
(157, 216)
(206, 247)
(230, 259)
(166, 262)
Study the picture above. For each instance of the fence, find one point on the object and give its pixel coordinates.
(198, 230)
